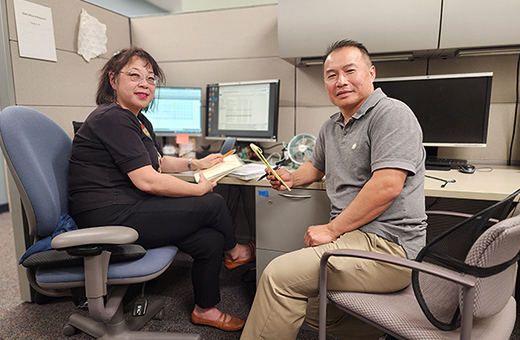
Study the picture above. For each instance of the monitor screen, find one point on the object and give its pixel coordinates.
(176, 110)
(453, 110)
(247, 111)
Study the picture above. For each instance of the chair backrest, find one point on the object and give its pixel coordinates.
(37, 152)
(474, 246)
(497, 245)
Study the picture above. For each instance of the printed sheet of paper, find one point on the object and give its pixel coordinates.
(35, 31)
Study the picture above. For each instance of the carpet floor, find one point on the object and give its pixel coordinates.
(27, 321)
(22, 320)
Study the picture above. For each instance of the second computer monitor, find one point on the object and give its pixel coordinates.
(176, 110)
(247, 111)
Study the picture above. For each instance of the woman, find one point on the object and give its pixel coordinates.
(117, 177)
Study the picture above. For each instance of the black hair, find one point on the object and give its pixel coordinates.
(348, 43)
(105, 92)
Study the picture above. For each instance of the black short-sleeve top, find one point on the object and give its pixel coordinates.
(109, 144)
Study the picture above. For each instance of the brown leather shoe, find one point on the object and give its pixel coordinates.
(234, 324)
(230, 264)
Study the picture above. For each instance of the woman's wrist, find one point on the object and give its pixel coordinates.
(193, 164)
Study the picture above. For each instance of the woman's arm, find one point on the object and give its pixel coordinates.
(174, 164)
(148, 180)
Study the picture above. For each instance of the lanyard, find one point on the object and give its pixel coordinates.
(147, 133)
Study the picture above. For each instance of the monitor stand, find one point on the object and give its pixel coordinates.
(431, 152)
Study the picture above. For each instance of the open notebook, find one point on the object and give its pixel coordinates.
(216, 172)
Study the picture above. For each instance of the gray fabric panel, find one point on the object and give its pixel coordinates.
(399, 312)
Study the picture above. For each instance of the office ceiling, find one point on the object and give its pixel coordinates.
(139, 8)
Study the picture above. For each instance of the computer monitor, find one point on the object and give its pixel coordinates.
(453, 109)
(176, 110)
(247, 111)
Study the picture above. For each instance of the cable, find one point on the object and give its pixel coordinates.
(445, 181)
(433, 203)
(246, 212)
(516, 113)
(272, 146)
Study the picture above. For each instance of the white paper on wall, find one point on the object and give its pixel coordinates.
(92, 38)
(35, 30)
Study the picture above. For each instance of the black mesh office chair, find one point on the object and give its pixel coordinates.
(462, 284)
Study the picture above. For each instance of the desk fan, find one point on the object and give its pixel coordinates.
(300, 148)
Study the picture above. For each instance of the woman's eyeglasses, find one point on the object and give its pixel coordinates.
(138, 77)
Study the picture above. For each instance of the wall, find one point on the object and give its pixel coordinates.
(195, 49)
(64, 90)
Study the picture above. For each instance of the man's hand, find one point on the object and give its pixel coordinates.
(287, 177)
(319, 234)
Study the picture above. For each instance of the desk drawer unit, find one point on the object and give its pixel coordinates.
(282, 219)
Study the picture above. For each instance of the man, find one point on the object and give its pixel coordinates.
(372, 154)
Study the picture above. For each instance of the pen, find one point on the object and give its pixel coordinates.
(265, 175)
(230, 152)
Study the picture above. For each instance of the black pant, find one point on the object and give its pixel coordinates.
(199, 226)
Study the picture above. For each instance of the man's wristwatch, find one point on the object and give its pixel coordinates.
(189, 164)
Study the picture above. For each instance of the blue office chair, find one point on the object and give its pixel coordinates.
(37, 152)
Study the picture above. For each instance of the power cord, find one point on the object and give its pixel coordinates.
(445, 181)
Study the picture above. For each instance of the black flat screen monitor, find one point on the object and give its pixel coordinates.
(247, 111)
(453, 109)
(176, 110)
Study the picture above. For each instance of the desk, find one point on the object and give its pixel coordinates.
(282, 220)
(482, 185)
(491, 186)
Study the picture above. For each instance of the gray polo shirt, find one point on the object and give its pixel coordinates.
(383, 133)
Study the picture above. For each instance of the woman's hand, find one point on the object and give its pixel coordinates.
(205, 185)
(287, 177)
(207, 162)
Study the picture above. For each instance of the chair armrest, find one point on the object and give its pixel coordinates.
(95, 235)
(465, 280)
(454, 214)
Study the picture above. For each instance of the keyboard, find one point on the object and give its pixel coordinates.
(444, 164)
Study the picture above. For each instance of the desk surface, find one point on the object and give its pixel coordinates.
(491, 183)
(483, 184)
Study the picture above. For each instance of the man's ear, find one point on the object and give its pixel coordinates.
(373, 72)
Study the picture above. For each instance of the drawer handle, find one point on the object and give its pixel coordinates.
(294, 196)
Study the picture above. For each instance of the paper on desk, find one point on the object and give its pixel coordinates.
(220, 170)
(249, 171)
(92, 38)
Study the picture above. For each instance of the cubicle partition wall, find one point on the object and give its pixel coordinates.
(64, 90)
(241, 44)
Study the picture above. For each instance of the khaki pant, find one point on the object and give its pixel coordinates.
(287, 293)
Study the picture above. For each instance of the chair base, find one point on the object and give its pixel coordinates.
(124, 330)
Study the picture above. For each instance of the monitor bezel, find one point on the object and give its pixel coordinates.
(488, 75)
(274, 99)
(162, 133)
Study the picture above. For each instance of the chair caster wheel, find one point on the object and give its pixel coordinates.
(69, 330)
(160, 315)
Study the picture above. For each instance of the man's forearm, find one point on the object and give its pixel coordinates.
(306, 174)
(375, 197)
